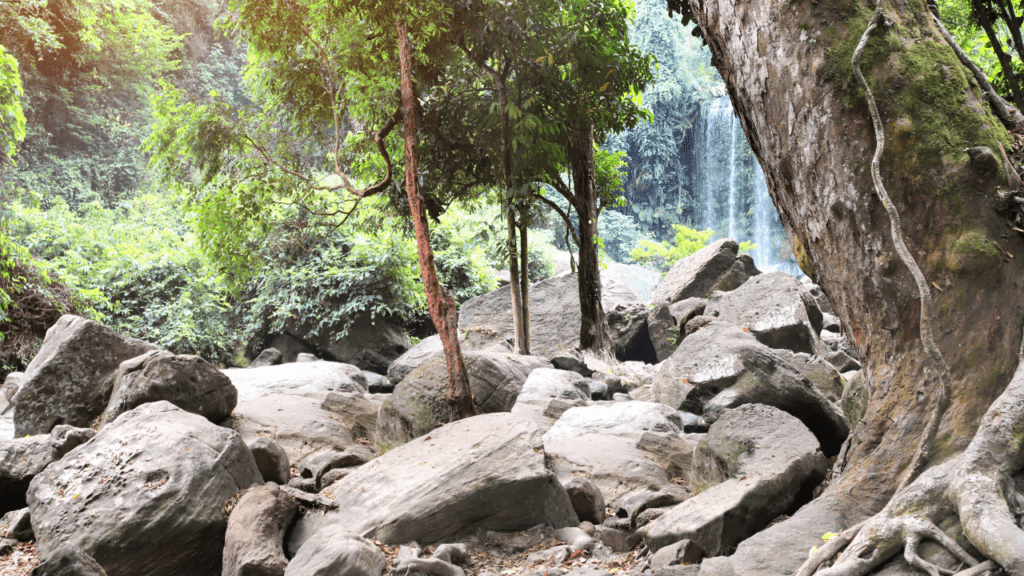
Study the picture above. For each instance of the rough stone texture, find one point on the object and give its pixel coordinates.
(776, 308)
(545, 412)
(554, 314)
(413, 357)
(316, 376)
(696, 275)
(822, 375)
(69, 561)
(377, 384)
(855, 399)
(369, 344)
(724, 363)
(418, 404)
(664, 331)
(628, 332)
(697, 323)
(682, 552)
(485, 472)
(268, 357)
(545, 383)
(741, 270)
(587, 500)
(780, 461)
(145, 496)
(334, 552)
(253, 543)
(271, 460)
(319, 463)
(842, 361)
(304, 423)
(12, 383)
(64, 382)
(622, 463)
(188, 382)
(615, 417)
(22, 458)
(17, 524)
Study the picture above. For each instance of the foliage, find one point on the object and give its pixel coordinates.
(140, 269)
(620, 234)
(664, 255)
(12, 117)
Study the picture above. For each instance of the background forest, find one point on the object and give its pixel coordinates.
(87, 227)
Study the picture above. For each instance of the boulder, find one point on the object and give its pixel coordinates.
(317, 464)
(544, 383)
(723, 366)
(545, 412)
(335, 552)
(664, 332)
(69, 561)
(822, 375)
(305, 423)
(587, 500)
(377, 383)
(12, 383)
(554, 315)
(316, 376)
(146, 495)
(776, 308)
(268, 357)
(418, 404)
(615, 417)
(21, 459)
(741, 270)
(64, 383)
(755, 464)
(696, 275)
(487, 471)
(188, 382)
(628, 333)
(413, 357)
(271, 460)
(253, 543)
(830, 323)
(622, 463)
(842, 361)
(369, 343)
(682, 552)
(17, 525)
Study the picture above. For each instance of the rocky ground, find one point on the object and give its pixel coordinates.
(730, 396)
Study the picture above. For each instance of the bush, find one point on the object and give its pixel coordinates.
(663, 256)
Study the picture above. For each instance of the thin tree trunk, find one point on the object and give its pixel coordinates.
(443, 309)
(515, 285)
(524, 279)
(593, 330)
(1005, 61)
(520, 317)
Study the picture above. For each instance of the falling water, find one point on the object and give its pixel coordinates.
(726, 152)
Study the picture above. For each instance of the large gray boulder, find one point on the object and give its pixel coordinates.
(544, 383)
(754, 465)
(64, 383)
(822, 375)
(307, 422)
(188, 382)
(369, 343)
(666, 323)
(21, 459)
(413, 357)
(615, 417)
(554, 315)
(697, 275)
(254, 541)
(146, 495)
(315, 376)
(418, 404)
(776, 308)
(334, 552)
(68, 561)
(722, 366)
(487, 471)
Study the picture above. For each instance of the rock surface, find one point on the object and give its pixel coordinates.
(21, 459)
(754, 464)
(64, 382)
(271, 460)
(615, 417)
(69, 561)
(268, 357)
(188, 382)
(418, 404)
(370, 344)
(722, 366)
(545, 383)
(335, 552)
(316, 376)
(696, 275)
(413, 357)
(253, 543)
(776, 308)
(486, 472)
(145, 496)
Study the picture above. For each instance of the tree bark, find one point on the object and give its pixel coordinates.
(442, 306)
(788, 72)
(593, 326)
(524, 279)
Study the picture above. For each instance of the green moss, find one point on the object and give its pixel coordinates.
(973, 252)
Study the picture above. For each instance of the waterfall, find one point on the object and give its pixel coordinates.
(730, 178)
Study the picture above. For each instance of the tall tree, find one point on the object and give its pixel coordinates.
(934, 143)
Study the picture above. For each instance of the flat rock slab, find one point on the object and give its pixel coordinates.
(763, 459)
(615, 417)
(146, 494)
(316, 376)
(297, 422)
(696, 275)
(64, 382)
(486, 472)
(776, 308)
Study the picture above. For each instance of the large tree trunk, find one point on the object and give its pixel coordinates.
(443, 309)
(593, 329)
(788, 71)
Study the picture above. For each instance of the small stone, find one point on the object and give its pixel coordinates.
(271, 460)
